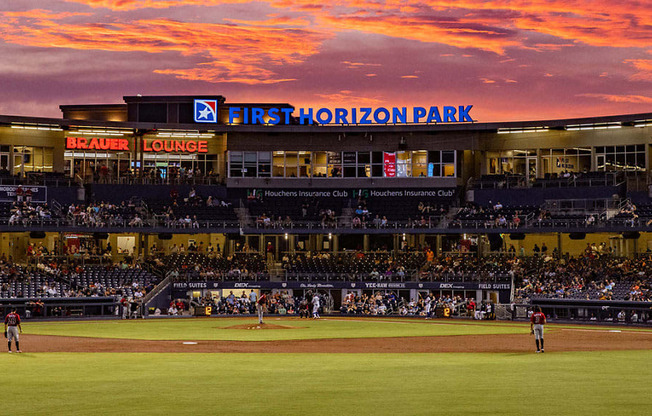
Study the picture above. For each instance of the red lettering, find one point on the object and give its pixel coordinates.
(168, 146)
(94, 144)
(157, 145)
(105, 144)
(191, 146)
(81, 143)
(145, 147)
(123, 144)
(179, 146)
(202, 146)
(71, 143)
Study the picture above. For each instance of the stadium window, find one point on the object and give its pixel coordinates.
(364, 164)
(278, 164)
(320, 164)
(264, 164)
(614, 158)
(419, 163)
(305, 165)
(291, 162)
(235, 164)
(349, 160)
(403, 164)
(334, 164)
(250, 164)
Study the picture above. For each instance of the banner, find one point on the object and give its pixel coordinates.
(341, 285)
(389, 164)
(8, 193)
(290, 193)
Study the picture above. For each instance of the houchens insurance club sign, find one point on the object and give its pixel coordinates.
(148, 146)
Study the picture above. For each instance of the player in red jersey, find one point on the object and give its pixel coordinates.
(12, 325)
(261, 305)
(537, 321)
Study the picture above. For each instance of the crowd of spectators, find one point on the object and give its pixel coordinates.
(28, 213)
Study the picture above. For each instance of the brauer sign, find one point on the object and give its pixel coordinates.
(148, 145)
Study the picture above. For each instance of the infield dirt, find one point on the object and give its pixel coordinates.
(557, 339)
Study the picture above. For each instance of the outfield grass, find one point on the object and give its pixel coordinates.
(577, 383)
(213, 329)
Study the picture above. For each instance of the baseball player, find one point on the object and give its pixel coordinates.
(428, 303)
(12, 320)
(261, 305)
(537, 321)
(315, 306)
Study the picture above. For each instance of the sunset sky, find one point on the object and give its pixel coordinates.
(510, 59)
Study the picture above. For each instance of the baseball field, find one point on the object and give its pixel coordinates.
(333, 365)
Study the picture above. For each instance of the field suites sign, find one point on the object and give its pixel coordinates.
(182, 286)
(148, 145)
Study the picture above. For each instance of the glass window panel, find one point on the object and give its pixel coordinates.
(349, 171)
(449, 170)
(434, 156)
(376, 157)
(377, 171)
(235, 156)
(250, 157)
(630, 148)
(264, 156)
(349, 158)
(363, 171)
(364, 157)
(620, 149)
(448, 157)
(640, 148)
(436, 170)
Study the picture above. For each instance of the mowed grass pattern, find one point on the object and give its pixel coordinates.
(202, 329)
(577, 383)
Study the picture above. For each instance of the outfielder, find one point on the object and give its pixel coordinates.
(315, 306)
(261, 305)
(537, 321)
(12, 320)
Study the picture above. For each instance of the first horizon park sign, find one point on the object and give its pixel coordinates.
(341, 116)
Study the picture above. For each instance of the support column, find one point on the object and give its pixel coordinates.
(335, 244)
(559, 245)
(365, 242)
(438, 244)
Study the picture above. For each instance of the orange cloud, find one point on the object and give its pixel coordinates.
(643, 68)
(245, 53)
(345, 98)
(614, 98)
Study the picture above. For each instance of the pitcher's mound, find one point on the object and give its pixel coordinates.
(261, 326)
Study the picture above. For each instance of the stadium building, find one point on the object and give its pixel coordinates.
(285, 184)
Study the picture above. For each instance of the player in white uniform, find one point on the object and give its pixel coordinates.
(428, 303)
(315, 307)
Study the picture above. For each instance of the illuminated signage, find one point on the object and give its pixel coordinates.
(343, 116)
(205, 111)
(149, 146)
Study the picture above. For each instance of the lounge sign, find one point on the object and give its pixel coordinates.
(148, 145)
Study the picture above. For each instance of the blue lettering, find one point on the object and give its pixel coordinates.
(340, 116)
(463, 114)
(377, 113)
(449, 114)
(273, 116)
(418, 113)
(366, 112)
(328, 113)
(234, 112)
(399, 115)
(305, 116)
(257, 115)
(434, 116)
(354, 116)
(287, 112)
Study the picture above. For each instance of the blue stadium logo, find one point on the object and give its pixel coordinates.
(205, 111)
